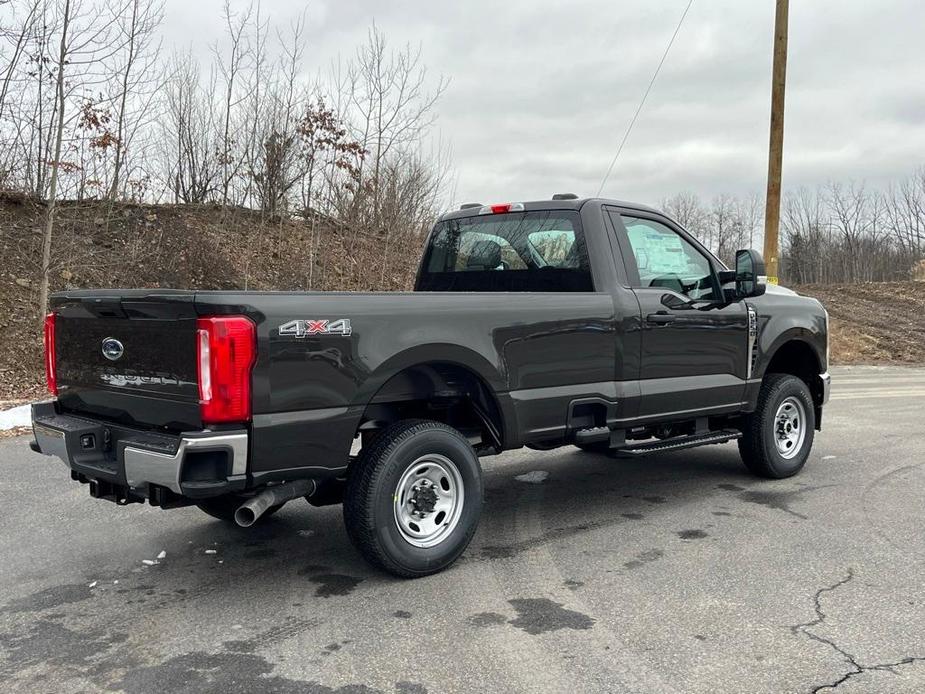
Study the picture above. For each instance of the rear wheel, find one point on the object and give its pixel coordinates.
(223, 507)
(413, 498)
(778, 435)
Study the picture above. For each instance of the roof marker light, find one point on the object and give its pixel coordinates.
(502, 208)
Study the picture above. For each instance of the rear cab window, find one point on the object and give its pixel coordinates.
(541, 251)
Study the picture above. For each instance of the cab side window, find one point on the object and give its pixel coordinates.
(665, 259)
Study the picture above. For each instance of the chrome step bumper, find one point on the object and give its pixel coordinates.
(136, 460)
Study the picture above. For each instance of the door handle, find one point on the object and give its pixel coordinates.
(660, 318)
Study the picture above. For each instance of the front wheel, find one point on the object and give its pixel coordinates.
(778, 435)
(413, 498)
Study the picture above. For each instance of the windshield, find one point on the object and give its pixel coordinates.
(516, 252)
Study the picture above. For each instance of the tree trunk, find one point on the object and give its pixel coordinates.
(53, 185)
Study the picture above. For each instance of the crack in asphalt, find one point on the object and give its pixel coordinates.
(858, 668)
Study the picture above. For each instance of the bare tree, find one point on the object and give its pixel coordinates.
(18, 37)
(393, 108)
(189, 134)
(137, 25)
(63, 52)
(230, 66)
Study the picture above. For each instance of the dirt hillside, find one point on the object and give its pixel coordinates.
(205, 247)
(180, 246)
(877, 322)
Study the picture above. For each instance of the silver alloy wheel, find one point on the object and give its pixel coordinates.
(428, 500)
(790, 427)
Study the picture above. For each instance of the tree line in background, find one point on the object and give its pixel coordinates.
(92, 108)
(829, 234)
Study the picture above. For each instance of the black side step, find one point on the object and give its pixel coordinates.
(678, 442)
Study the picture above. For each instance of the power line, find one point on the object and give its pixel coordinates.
(644, 97)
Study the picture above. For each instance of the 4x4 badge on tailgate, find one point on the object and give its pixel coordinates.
(305, 328)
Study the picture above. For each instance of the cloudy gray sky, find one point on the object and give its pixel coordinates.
(541, 91)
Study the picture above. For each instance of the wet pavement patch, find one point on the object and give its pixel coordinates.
(222, 672)
(655, 499)
(730, 487)
(402, 614)
(644, 558)
(51, 597)
(409, 688)
(721, 513)
(541, 615)
(633, 516)
(486, 619)
(779, 501)
(47, 643)
(330, 585)
(692, 534)
(572, 584)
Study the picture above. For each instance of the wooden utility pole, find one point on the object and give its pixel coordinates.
(776, 147)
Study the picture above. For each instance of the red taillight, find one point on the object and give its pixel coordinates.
(226, 347)
(51, 375)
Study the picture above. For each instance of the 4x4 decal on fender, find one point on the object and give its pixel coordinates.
(307, 328)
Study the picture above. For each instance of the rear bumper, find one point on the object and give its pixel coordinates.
(126, 464)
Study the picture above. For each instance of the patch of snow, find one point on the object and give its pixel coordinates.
(306, 533)
(828, 457)
(92, 585)
(533, 477)
(149, 562)
(211, 551)
(16, 417)
(163, 554)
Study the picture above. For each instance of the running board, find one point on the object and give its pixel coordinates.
(678, 442)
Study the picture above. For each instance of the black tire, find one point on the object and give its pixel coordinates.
(372, 483)
(758, 446)
(602, 447)
(223, 507)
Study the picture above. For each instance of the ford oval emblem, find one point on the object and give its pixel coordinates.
(112, 348)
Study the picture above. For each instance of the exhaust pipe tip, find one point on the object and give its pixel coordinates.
(251, 510)
(245, 517)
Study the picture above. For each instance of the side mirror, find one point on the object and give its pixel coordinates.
(750, 274)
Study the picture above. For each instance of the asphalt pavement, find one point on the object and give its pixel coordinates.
(671, 573)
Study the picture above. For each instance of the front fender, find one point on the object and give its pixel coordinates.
(778, 330)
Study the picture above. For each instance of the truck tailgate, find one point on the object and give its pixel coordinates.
(128, 356)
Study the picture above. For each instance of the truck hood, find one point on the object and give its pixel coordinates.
(778, 289)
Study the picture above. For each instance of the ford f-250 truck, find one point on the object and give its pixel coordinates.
(593, 323)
